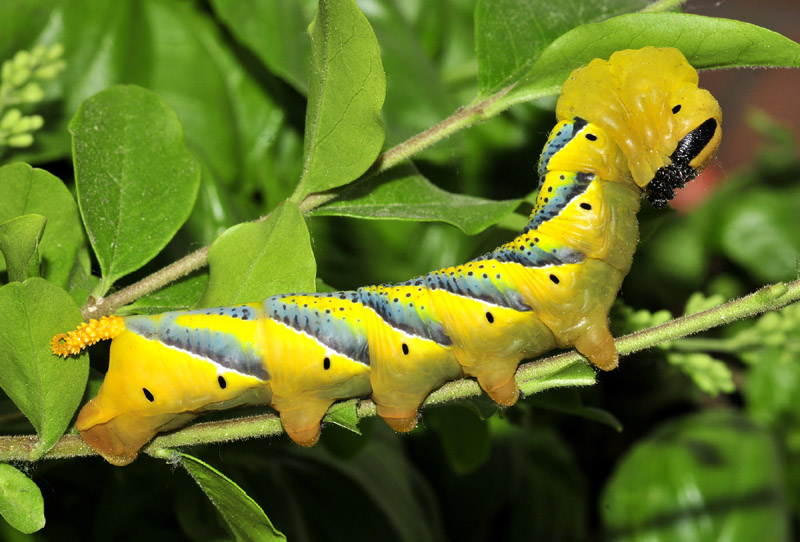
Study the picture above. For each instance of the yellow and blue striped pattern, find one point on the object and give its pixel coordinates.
(551, 286)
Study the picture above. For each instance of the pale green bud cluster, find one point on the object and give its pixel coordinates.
(20, 84)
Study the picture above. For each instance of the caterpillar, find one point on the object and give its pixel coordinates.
(636, 124)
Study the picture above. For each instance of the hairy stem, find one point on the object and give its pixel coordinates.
(568, 369)
(103, 306)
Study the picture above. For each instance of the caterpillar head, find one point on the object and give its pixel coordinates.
(649, 103)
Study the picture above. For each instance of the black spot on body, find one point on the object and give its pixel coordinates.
(586, 206)
(405, 349)
(326, 363)
(490, 317)
(554, 279)
(222, 383)
(676, 109)
(148, 395)
(591, 137)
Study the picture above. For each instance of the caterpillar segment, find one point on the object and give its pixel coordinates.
(633, 125)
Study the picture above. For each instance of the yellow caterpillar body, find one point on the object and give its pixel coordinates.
(636, 123)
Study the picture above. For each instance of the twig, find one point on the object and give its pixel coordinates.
(545, 371)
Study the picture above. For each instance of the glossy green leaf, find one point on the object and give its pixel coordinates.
(29, 190)
(402, 193)
(417, 96)
(46, 388)
(275, 31)
(344, 414)
(344, 132)
(136, 180)
(252, 261)
(736, 44)
(21, 503)
(761, 232)
(19, 243)
(511, 34)
(242, 515)
(710, 476)
(464, 436)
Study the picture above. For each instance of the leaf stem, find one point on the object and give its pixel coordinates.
(540, 374)
(104, 306)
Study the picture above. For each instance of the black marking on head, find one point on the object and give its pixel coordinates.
(222, 383)
(405, 349)
(326, 363)
(490, 317)
(675, 175)
(554, 279)
(148, 395)
(694, 142)
(591, 137)
(676, 109)
(586, 206)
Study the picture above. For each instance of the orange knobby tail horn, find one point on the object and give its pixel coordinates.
(88, 333)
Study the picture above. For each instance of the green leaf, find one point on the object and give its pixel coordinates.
(550, 501)
(19, 243)
(416, 94)
(21, 503)
(761, 232)
(511, 34)
(344, 132)
(275, 31)
(394, 501)
(710, 476)
(344, 414)
(735, 45)
(242, 515)
(179, 295)
(229, 119)
(402, 193)
(464, 436)
(569, 401)
(34, 191)
(254, 260)
(46, 388)
(136, 180)
(535, 379)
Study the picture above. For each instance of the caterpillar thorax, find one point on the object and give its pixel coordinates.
(634, 123)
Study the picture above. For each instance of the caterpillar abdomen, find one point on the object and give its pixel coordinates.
(633, 121)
